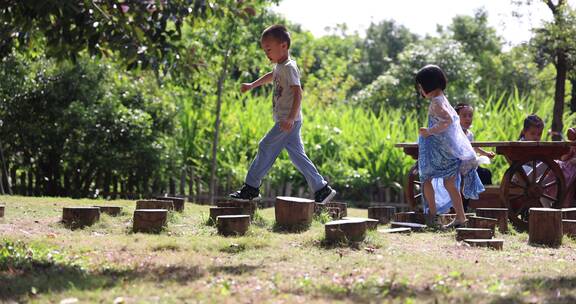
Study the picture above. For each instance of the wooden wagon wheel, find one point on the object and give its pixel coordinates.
(531, 183)
(569, 200)
(413, 188)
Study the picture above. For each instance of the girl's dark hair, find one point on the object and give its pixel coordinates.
(532, 121)
(278, 32)
(431, 77)
(461, 106)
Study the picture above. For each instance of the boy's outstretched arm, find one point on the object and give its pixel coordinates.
(260, 81)
(287, 124)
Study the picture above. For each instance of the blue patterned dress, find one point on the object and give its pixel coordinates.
(447, 152)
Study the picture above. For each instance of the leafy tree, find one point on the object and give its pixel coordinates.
(77, 127)
(383, 43)
(142, 33)
(480, 41)
(396, 87)
(556, 44)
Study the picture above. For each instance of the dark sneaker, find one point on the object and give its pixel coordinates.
(324, 195)
(247, 193)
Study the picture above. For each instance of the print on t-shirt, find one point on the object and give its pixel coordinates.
(277, 91)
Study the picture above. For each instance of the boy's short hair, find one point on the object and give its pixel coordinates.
(431, 77)
(278, 32)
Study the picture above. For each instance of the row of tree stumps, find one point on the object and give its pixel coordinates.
(479, 230)
(546, 226)
(150, 216)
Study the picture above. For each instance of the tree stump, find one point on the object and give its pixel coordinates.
(230, 225)
(249, 207)
(569, 228)
(346, 230)
(293, 213)
(545, 227)
(218, 211)
(225, 204)
(342, 206)
(482, 222)
(319, 208)
(2, 207)
(110, 210)
(79, 217)
(371, 224)
(473, 233)
(569, 213)
(396, 230)
(149, 220)
(177, 201)
(334, 212)
(500, 214)
(490, 243)
(409, 217)
(413, 226)
(155, 204)
(384, 214)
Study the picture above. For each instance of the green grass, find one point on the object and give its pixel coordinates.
(188, 261)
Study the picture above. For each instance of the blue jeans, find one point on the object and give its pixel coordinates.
(272, 145)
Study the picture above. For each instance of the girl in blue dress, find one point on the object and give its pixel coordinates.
(444, 150)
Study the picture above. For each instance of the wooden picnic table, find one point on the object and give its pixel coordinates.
(533, 178)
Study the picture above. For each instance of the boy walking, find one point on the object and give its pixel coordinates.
(285, 134)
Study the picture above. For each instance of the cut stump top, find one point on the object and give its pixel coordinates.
(82, 208)
(151, 210)
(294, 199)
(233, 216)
(348, 221)
(492, 209)
(545, 210)
(396, 230)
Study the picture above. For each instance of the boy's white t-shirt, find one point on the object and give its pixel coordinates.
(286, 75)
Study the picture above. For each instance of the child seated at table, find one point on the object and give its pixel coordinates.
(466, 113)
(531, 131)
(567, 164)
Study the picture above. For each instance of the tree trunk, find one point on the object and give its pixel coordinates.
(13, 187)
(172, 186)
(4, 172)
(22, 189)
(30, 182)
(560, 90)
(191, 186)
(114, 186)
(107, 181)
(38, 182)
(183, 182)
(221, 80)
(67, 182)
(573, 94)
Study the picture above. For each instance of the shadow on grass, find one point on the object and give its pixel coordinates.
(560, 289)
(18, 284)
(371, 291)
(234, 270)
